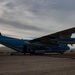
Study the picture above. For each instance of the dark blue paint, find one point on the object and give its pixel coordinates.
(18, 45)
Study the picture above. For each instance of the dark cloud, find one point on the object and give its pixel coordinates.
(56, 9)
(43, 6)
(20, 25)
(44, 14)
(48, 5)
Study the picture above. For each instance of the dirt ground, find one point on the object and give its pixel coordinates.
(49, 64)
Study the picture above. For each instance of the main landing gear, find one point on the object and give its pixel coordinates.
(61, 52)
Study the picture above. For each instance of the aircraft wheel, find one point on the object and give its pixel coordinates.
(31, 53)
(24, 53)
(62, 52)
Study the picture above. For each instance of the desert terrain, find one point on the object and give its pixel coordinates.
(48, 64)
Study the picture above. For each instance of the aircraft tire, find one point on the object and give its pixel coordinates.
(62, 52)
(31, 53)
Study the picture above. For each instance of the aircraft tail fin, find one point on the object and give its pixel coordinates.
(0, 34)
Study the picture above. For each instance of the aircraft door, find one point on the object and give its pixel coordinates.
(24, 49)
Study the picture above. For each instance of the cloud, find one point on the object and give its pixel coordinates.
(37, 16)
(19, 25)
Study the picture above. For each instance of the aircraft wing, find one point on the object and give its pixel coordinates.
(61, 34)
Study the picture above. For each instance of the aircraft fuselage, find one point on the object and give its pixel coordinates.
(25, 46)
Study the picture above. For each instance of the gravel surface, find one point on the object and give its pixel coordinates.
(49, 64)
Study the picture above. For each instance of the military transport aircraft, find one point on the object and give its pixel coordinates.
(56, 42)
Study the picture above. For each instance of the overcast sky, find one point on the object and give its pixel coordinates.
(35, 18)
